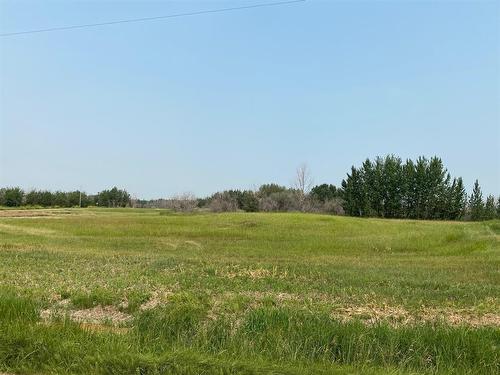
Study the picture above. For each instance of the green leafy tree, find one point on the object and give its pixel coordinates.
(248, 201)
(46, 198)
(11, 197)
(74, 199)
(324, 192)
(268, 189)
(32, 198)
(60, 199)
(113, 198)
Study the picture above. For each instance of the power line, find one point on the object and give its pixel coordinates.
(150, 18)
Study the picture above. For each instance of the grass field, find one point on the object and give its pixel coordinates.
(148, 292)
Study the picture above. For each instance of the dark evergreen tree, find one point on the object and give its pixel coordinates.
(476, 206)
(489, 208)
(421, 189)
(371, 184)
(392, 180)
(498, 207)
(436, 183)
(409, 187)
(457, 200)
(389, 188)
(354, 193)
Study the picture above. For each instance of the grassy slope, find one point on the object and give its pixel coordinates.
(250, 293)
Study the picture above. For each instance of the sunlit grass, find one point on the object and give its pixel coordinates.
(246, 293)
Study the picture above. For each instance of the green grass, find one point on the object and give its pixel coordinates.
(246, 294)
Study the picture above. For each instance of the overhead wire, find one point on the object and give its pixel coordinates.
(146, 19)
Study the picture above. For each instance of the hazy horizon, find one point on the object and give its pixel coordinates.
(237, 99)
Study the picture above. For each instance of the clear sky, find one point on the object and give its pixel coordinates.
(236, 99)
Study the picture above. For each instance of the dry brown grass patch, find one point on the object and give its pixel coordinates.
(26, 230)
(34, 213)
(158, 298)
(397, 315)
(97, 315)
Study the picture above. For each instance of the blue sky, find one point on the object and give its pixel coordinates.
(236, 99)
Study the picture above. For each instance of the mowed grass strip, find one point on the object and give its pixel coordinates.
(147, 291)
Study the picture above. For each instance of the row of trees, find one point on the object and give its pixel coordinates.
(387, 187)
(16, 197)
(267, 198)
(274, 197)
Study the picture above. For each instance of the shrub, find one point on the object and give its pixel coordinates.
(288, 200)
(223, 202)
(186, 202)
(248, 201)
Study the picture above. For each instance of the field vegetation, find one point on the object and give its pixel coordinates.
(142, 291)
(386, 187)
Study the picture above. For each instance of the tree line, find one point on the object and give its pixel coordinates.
(387, 187)
(16, 197)
(384, 187)
(421, 189)
(424, 189)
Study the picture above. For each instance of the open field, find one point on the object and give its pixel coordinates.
(149, 292)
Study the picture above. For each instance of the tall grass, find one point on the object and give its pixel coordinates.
(165, 338)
